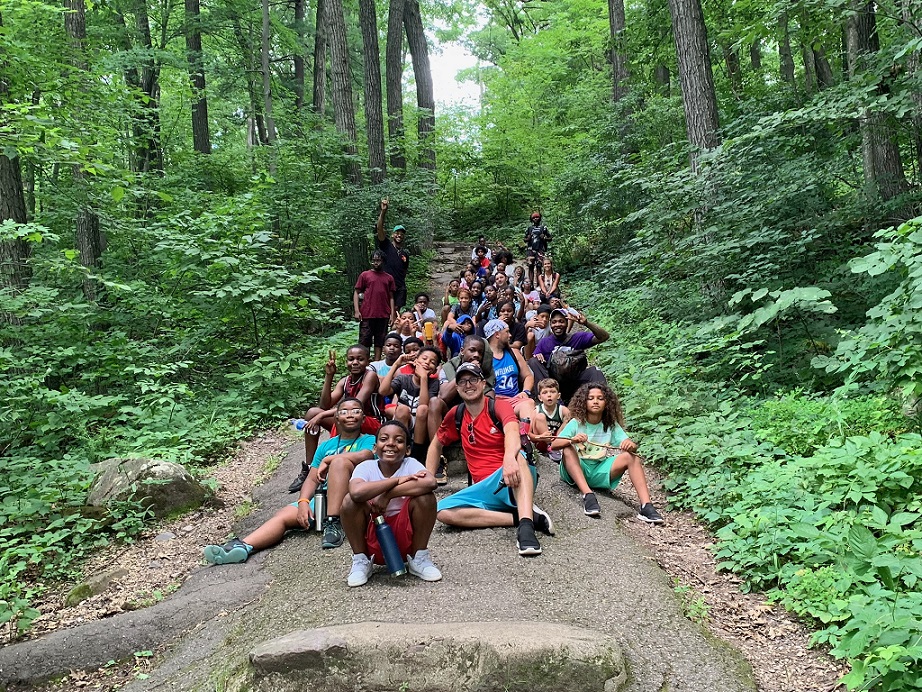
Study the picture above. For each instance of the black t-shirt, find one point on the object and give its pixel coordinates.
(396, 261)
(536, 238)
(517, 332)
(407, 392)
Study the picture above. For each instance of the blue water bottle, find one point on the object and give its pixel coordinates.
(388, 543)
(297, 424)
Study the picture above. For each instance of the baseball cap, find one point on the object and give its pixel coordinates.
(494, 327)
(398, 227)
(560, 311)
(470, 369)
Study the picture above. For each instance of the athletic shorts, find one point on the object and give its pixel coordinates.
(487, 494)
(598, 476)
(403, 531)
(400, 297)
(370, 426)
(373, 331)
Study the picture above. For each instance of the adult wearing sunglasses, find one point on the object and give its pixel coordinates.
(503, 483)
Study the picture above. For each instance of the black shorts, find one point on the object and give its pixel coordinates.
(535, 257)
(400, 297)
(372, 331)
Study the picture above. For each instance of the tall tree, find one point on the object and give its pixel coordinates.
(201, 133)
(320, 59)
(343, 105)
(883, 168)
(425, 93)
(393, 72)
(148, 152)
(87, 234)
(265, 59)
(785, 56)
(619, 71)
(695, 75)
(298, 57)
(374, 116)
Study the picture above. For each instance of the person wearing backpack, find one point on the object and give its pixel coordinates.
(562, 356)
(503, 481)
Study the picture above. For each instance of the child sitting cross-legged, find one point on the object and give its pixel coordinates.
(402, 490)
(597, 451)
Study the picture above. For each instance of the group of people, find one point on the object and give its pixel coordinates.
(506, 374)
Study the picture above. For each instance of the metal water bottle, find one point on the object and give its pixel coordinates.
(388, 543)
(320, 508)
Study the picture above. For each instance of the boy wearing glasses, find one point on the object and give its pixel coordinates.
(503, 488)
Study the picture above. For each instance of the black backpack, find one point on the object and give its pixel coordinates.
(528, 449)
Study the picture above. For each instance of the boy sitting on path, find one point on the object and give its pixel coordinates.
(361, 382)
(550, 417)
(504, 482)
(400, 488)
(333, 463)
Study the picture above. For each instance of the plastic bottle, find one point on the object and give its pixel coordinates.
(320, 508)
(388, 543)
(297, 424)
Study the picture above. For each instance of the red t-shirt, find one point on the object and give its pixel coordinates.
(378, 288)
(486, 454)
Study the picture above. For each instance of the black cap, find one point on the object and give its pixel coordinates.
(471, 368)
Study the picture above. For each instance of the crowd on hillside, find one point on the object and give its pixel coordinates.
(500, 368)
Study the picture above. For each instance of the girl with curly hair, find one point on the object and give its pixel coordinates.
(597, 451)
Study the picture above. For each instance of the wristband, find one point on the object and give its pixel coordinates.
(527, 392)
(303, 499)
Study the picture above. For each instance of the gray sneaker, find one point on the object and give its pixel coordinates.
(649, 514)
(591, 506)
(333, 533)
(542, 521)
(233, 551)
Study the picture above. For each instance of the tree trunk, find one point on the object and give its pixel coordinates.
(755, 55)
(883, 168)
(734, 70)
(619, 71)
(913, 66)
(201, 133)
(257, 129)
(806, 52)
(425, 94)
(662, 78)
(298, 58)
(695, 75)
(824, 75)
(393, 69)
(320, 59)
(266, 73)
(374, 113)
(87, 235)
(343, 105)
(149, 154)
(785, 56)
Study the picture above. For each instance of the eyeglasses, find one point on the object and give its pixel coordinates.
(468, 382)
(350, 411)
(470, 433)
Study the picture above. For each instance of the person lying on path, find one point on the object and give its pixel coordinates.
(504, 482)
(396, 258)
(550, 417)
(510, 369)
(597, 451)
(361, 382)
(558, 338)
(400, 488)
(332, 464)
(377, 306)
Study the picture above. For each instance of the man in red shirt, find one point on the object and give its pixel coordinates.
(504, 482)
(377, 307)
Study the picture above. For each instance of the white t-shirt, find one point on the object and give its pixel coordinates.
(370, 471)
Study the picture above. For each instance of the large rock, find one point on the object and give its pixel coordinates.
(93, 586)
(166, 488)
(445, 657)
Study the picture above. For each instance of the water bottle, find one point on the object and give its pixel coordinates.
(297, 424)
(320, 508)
(388, 543)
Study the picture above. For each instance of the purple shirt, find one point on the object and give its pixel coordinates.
(547, 345)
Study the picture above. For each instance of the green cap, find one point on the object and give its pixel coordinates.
(398, 227)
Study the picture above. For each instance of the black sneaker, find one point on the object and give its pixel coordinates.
(333, 533)
(527, 541)
(649, 514)
(441, 477)
(299, 481)
(542, 521)
(591, 506)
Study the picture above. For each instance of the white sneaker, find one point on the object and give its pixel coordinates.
(362, 566)
(422, 567)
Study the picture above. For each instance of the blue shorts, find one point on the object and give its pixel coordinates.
(482, 496)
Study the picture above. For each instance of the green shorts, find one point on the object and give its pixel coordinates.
(598, 475)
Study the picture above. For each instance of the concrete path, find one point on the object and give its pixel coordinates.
(591, 575)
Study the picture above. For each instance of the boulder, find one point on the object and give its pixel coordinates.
(443, 657)
(164, 487)
(454, 455)
(93, 586)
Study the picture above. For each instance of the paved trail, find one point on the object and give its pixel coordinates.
(591, 574)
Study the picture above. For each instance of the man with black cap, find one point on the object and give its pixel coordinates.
(558, 340)
(396, 258)
(503, 489)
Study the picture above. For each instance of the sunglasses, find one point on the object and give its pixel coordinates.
(470, 433)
